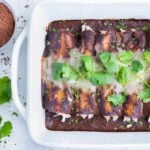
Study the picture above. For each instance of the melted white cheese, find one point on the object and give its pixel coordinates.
(117, 87)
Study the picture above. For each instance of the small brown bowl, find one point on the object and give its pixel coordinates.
(7, 35)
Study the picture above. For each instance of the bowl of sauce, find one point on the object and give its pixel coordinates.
(7, 24)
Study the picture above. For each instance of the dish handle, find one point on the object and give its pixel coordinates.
(14, 72)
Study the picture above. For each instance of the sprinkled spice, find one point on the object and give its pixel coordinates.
(5, 60)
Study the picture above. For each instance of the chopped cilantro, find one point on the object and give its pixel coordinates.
(121, 24)
(5, 90)
(88, 62)
(53, 30)
(109, 62)
(136, 66)
(116, 99)
(15, 114)
(145, 28)
(68, 72)
(105, 57)
(123, 75)
(125, 56)
(100, 78)
(146, 56)
(144, 95)
(57, 67)
(6, 129)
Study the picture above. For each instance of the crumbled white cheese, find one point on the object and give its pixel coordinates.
(107, 118)
(86, 27)
(85, 85)
(114, 118)
(70, 99)
(122, 30)
(129, 125)
(133, 30)
(103, 32)
(64, 116)
(126, 119)
(89, 116)
(135, 119)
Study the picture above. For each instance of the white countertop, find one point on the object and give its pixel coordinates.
(19, 139)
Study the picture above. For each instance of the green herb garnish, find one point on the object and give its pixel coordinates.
(5, 90)
(121, 24)
(101, 78)
(15, 114)
(87, 62)
(68, 72)
(144, 95)
(136, 66)
(57, 70)
(109, 61)
(117, 99)
(145, 28)
(125, 56)
(123, 75)
(53, 30)
(146, 56)
(6, 129)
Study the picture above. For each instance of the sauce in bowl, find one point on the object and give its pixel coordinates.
(7, 24)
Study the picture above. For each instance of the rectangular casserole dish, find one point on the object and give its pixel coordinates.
(43, 13)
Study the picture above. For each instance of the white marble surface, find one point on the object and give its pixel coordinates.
(19, 139)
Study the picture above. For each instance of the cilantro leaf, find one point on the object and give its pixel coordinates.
(69, 72)
(121, 24)
(105, 57)
(57, 70)
(109, 62)
(117, 99)
(136, 66)
(146, 56)
(6, 129)
(145, 95)
(123, 75)
(88, 62)
(100, 78)
(125, 56)
(5, 90)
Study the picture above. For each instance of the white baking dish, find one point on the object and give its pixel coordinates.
(44, 12)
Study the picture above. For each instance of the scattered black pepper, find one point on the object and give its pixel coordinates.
(5, 60)
(26, 6)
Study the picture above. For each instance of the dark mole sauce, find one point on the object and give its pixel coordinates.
(98, 122)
